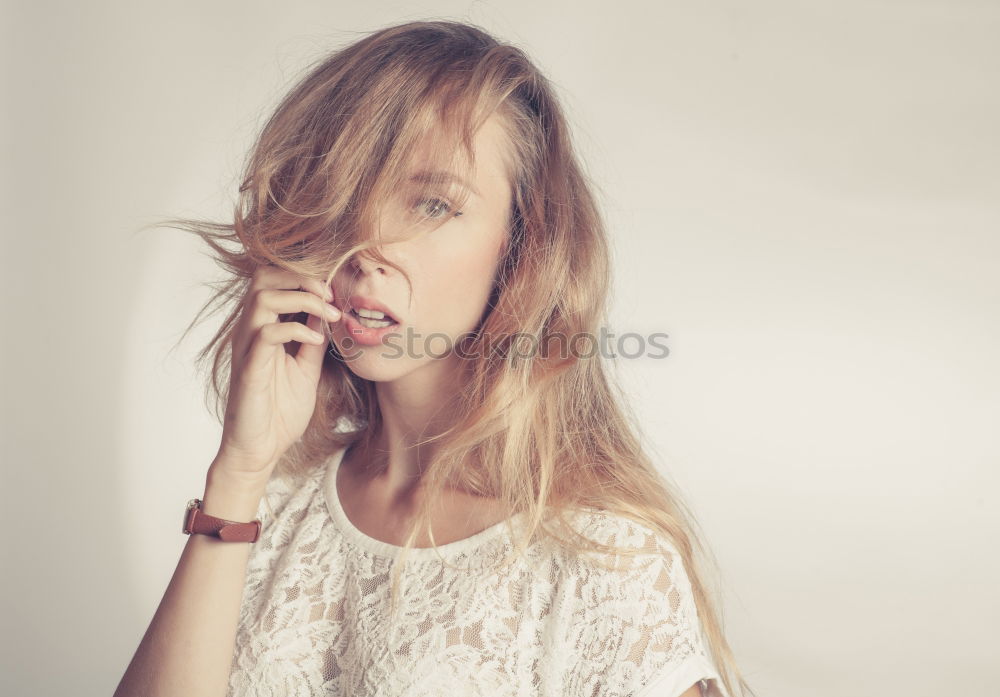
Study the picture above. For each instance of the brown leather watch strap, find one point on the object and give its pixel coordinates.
(200, 523)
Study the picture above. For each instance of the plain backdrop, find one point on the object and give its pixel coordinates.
(805, 196)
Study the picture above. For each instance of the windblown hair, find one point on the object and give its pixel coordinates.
(543, 432)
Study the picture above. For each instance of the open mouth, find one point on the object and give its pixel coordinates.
(372, 319)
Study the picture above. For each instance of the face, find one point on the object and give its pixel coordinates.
(451, 269)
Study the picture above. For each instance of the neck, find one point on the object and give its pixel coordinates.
(414, 408)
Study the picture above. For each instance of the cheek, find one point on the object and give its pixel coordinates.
(459, 282)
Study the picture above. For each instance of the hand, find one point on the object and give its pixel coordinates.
(272, 394)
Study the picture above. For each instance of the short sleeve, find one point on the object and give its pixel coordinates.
(636, 629)
(678, 656)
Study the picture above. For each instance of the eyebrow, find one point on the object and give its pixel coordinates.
(425, 176)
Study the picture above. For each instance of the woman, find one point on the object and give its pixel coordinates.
(450, 495)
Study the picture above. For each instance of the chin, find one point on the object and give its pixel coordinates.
(375, 375)
(369, 363)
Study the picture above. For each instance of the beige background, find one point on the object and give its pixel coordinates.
(803, 195)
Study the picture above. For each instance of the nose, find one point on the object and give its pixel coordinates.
(366, 265)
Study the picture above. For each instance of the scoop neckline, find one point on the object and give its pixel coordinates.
(387, 549)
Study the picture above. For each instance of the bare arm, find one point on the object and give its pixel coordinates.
(188, 648)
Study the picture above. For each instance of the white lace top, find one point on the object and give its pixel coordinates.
(314, 620)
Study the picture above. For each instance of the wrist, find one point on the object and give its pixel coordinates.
(232, 496)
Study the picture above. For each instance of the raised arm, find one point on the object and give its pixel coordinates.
(187, 651)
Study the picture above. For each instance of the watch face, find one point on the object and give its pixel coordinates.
(192, 505)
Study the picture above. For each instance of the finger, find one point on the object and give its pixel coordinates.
(264, 301)
(270, 337)
(268, 304)
(310, 355)
(273, 277)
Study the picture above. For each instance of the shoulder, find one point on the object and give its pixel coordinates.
(634, 622)
(287, 498)
(280, 490)
(620, 530)
(651, 580)
(290, 516)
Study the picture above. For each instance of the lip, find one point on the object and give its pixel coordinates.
(366, 336)
(362, 335)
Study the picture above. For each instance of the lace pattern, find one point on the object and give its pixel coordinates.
(314, 615)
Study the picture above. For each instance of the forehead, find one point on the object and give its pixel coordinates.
(432, 162)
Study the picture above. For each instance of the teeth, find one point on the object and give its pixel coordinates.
(372, 323)
(373, 314)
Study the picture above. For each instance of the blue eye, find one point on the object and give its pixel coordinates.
(438, 209)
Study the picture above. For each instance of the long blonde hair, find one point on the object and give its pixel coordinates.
(543, 433)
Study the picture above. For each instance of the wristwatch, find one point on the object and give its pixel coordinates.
(198, 522)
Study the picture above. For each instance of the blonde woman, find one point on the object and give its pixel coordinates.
(426, 483)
